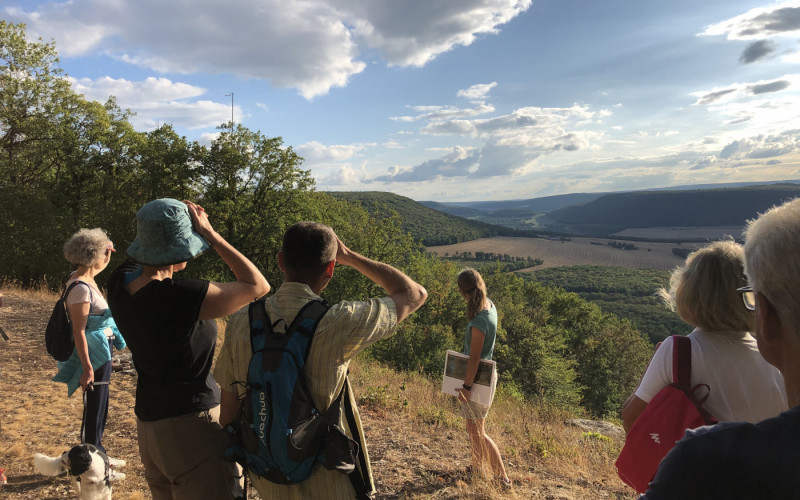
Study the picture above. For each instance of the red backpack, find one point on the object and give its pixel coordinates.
(663, 422)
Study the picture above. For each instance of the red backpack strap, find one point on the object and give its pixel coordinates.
(682, 361)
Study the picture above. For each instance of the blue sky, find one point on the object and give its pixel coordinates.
(457, 100)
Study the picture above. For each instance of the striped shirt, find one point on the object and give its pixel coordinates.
(346, 329)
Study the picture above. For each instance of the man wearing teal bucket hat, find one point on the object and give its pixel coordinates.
(170, 328)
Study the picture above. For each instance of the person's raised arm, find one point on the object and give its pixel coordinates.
(226, 298)
(407, 294)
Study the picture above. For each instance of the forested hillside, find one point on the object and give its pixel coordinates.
(627, 293)
(69, 163)
(431, 226)
(703, 207)
(502, 208)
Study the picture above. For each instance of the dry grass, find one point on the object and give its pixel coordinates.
(417, 440)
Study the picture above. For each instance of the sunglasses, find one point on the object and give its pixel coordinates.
(110, 248)
(748, 297)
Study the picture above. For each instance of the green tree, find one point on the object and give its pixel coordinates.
(36, 106)
(253, 188)
(166, 162)
(35, 102)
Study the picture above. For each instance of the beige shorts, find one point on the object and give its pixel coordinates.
(474, 411)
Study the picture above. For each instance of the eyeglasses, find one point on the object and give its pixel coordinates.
(110, 248)
(748, 297)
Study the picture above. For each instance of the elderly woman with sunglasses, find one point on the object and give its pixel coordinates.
(706, 293)
(93, 330)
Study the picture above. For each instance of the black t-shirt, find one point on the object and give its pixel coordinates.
(172, 350)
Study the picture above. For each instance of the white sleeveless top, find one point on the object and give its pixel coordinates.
(744, 387)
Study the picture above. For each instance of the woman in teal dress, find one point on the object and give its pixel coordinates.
(479, 344)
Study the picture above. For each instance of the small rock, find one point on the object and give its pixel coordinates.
(601, 426)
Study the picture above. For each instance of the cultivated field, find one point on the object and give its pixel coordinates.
(577, 251)
(682, 233)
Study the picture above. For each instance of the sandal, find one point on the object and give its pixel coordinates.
(505, 483)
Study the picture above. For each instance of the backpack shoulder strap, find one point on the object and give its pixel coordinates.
(682, 361)
(307, 320)
(361, 477)
(73, 285)
(69, 289)
(309, 316)
(259, 324)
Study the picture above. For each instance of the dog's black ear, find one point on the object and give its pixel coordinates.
(80, 459)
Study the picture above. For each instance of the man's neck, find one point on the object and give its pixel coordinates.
(315, 287)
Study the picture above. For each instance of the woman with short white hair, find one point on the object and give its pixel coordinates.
(93, 330)
(742, 386)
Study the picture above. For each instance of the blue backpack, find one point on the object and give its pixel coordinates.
(279, 433)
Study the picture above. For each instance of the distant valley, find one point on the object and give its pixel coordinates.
(689, 214)
(612, 249)
(582, 228)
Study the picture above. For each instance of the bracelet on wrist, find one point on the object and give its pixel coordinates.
(466, 387)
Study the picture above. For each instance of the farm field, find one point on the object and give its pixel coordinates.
(577, 251)
(681, 233)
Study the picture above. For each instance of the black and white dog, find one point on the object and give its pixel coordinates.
(92, 469)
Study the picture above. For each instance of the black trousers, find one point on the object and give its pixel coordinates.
(95, 407)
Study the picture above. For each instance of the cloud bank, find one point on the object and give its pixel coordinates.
(313, 45)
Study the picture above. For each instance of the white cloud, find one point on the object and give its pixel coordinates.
(413, 32)
(157, 100)
(744, 101)
(477, 92)
(776, 19)
(440, 113)
(62, 22)
(311, 45)
(344, 176)
(206, 138)
(126, 91)
(530, 124)
(508, 144)
(762, 146)
(315, 152)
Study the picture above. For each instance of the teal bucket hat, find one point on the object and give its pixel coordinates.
(164, 234)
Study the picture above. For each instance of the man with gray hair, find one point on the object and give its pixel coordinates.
(742, 460)
(307, 258)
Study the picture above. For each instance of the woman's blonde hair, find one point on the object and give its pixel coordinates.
(86, 246)
(471, 283)
(703, 290)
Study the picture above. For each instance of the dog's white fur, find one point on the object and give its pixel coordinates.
(92, 484)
